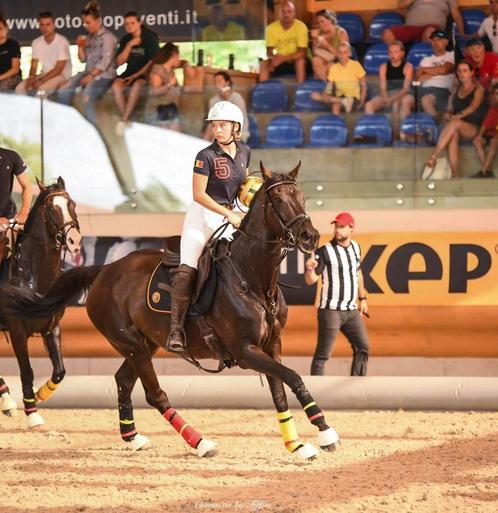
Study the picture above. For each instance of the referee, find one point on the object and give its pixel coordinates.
(338, 264)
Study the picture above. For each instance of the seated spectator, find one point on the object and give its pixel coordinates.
(488, 27)
(346, 83)
(224, 86)
(136, 50)
(466, 111)
(51, 50)
(422, 17)
(435, 72)
(97, 52)
(488, 134)
(220, 28)
(287, 45)
(484, 64)
(395, 80)
(326, 39)
(164, 86)
(10, 59)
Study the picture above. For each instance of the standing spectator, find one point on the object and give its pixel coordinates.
(488, 133)
(10, 59)
(326, 40)
(422, 17)
(346, 83)
(395, 80)
(484, 64)
(466, 111)
(287, 44)
(51, 50)
(220, 28)
(136, 50)
(338, 264)
(436, 74)
(488, 27)
(97, 52)
(224, 86)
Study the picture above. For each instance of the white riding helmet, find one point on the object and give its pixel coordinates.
(226, 111)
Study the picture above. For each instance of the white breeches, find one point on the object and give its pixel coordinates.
(200, 223)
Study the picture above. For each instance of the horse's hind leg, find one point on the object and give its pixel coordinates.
(52, 340)
(7, 405)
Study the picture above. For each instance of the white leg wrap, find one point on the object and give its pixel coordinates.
(140, 442)
(306, 452)
(327, 437)
(35, 419)
(7, 403)
(205, 446)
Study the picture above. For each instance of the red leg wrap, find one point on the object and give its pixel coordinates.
(189, 434)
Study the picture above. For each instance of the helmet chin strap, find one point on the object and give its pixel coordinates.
(232, 136)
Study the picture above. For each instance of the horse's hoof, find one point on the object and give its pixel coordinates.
(139, 443)
(8, 406)
(307, 452)
(328, 440)
(34, 420)
(206, 448)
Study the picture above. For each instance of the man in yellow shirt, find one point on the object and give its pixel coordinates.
(220, 28)
(346, 83)
(287, 44)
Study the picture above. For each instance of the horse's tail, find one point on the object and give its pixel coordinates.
(23, 303)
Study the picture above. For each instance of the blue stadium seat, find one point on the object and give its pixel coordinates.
(284, 131)
(472, 19)
(303, 101)
(269, 96)
(254, 140)
(417, 52)
(372, 130)
(374, 57)
(328, 130)
(353, 25)
(418, 124)
(380, 22)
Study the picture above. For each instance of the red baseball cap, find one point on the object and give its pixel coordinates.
(344, 218)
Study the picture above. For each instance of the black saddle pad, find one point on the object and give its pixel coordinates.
(159, 299)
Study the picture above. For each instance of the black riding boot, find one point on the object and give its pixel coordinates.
(181, 291)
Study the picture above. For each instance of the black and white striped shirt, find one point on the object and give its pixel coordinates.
(339, 267)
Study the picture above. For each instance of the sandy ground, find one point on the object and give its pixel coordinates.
(388, 461)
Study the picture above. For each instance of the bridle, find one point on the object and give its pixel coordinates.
(60, 232)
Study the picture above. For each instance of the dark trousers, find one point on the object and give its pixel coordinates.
(350, 323)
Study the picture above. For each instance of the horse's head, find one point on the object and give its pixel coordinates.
(58, 212)
(285, 213)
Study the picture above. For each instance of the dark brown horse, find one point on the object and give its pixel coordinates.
(51, 229)
(248, 313)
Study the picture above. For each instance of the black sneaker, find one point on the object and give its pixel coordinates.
(489, 174)
(478, 175)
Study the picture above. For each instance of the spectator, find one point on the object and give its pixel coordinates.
(51, 50)
(338, 264)
(488, 27)
(422, 17)
(326, 39)
(287, 44)
(484, 64)
(10, 59)
(164, 85)
(488, 133)
(136, 50)
(435, 72)
(97, 51)
(220, 28)
(395, 80)
(466, 111)
(224, 86)
(346, 83)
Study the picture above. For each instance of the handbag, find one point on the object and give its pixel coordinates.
(441, 171)
(167, 112)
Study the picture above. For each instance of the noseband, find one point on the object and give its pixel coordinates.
(61, 232)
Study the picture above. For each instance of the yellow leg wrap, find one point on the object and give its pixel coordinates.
(288, 431)
(46, 391)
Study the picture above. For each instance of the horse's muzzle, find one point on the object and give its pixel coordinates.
(308, 239)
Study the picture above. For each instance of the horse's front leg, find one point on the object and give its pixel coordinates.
(254, 358)
(52, 340)
(7, 405)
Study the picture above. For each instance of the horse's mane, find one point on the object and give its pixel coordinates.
(38, 202)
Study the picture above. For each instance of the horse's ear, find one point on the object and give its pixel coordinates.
(60, 183)
(265, 172)
(40, 184)
(295, 171)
